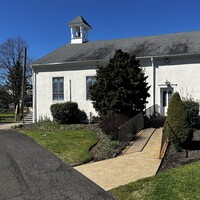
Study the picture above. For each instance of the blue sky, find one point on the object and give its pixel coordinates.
(43, 23)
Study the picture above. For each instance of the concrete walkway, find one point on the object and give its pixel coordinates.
(7, 126)
(140, 141)
(137, 162)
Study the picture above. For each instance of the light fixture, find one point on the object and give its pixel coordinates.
(167, 83)
(167, 60)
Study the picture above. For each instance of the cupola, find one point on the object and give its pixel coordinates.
(79, 30)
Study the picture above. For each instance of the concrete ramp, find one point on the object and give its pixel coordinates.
(140, 141)
(142, 162)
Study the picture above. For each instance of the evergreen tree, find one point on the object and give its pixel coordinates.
(178, 120)
(121, 86)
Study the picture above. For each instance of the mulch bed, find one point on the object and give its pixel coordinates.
(174, 159)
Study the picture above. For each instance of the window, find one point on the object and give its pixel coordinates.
(90, 80)
(164, 98)
(58, 88)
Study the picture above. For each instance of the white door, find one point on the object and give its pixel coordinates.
(165, 96)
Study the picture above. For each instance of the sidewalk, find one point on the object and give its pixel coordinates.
(7, 126)
(133, 165)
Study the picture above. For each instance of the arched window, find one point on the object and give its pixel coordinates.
(90, 80)
(164, 98)
(58, 88)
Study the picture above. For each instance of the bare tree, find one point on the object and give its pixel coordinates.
(11, 62)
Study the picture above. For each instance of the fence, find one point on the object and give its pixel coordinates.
(128, 130)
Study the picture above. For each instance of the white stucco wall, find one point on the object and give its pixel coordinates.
(44, 90)
(181, 72)
(147, 68)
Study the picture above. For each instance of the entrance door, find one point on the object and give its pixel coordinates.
(165, 96)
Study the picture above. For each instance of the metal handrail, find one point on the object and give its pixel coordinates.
(174, 134)
(164, 138)
(128, 130)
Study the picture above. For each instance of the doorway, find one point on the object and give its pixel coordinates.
(165, 96)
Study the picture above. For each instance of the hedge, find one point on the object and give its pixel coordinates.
(67, 113)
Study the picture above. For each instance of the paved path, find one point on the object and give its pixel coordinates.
(30, 172)
(129, 167)
(7, 126)
(140, 141)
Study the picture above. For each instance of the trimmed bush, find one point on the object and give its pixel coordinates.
(192, 108)
(66, 113)
(178, 120)
(110, 124)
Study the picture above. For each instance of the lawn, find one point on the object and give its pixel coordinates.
(72, 146)
(178, 183)
(7, 117)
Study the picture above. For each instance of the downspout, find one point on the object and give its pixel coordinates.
(154, 86)
(70, 90)
(34, 98)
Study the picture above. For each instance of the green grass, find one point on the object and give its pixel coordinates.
(7, 117)
(176, 184)
(72, 146)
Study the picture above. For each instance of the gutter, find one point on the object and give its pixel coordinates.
(106, 60)
(164, 56)
(70, 62)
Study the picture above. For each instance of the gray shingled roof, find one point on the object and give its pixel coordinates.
(169, 44)
(78, 20)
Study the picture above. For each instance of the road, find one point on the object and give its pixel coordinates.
(30, 172)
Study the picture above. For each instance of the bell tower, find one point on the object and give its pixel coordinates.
(79, 30)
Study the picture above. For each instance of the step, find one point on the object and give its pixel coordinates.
(28, 119)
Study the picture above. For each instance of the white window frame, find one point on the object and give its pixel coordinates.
(60, 95)
(88, 96)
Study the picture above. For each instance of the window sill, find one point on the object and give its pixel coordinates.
(58, 101)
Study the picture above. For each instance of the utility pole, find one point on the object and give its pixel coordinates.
(23, 85)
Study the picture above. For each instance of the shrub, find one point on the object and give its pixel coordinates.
(110, 124)
(178, 120)
(192, 108)
(66, 113)
(105, 148)
(81, 116)
(44, 119)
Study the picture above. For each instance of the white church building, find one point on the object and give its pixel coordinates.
(171, 62)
